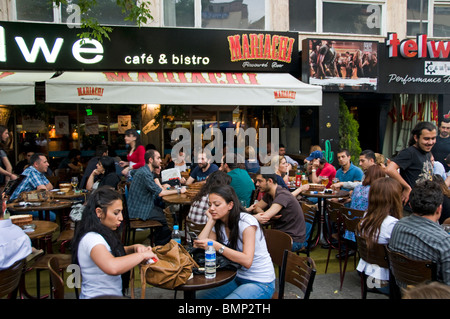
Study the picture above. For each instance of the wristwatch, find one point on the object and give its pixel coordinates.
(221, 249)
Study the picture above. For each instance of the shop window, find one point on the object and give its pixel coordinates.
(351, 18)
(441, 22)
(34, 10)
(302, 15)
(105, 11)
(330, 16)
(247, 14)
(417, 17)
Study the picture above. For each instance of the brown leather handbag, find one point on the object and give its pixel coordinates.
(173, 268)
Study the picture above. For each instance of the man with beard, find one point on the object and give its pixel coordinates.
(202, 170)
(142, 194)
(442, 147)
(279, 205)
(414, 162)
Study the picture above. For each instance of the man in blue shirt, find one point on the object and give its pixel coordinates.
(241, 181)
(202, 170)
(348, 172)
(35, 176)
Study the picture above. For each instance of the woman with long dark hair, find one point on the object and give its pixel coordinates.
(104, 174)
(238, 236)
(5, 165)
(384, 210)
(136, 152)
(96, 247)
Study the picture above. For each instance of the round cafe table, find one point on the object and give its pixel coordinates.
(184, 202)
(321, 197)
(43, 232)
(69, 195)
(199, 282)
(41, 207)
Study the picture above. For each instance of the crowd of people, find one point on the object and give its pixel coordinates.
(404, 200)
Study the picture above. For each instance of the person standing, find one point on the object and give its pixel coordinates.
(135, 156)
(413, 164)
(5, 165)
(441, 149)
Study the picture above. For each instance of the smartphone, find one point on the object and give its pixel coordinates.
(193, 235)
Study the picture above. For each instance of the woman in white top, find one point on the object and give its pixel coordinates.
(237, 236)
(96, 247)
(384, 210)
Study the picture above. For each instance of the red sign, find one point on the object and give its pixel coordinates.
(421, 47)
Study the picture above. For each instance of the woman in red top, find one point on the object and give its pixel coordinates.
(135, 156)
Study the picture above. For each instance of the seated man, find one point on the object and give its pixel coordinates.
(419, 235)
(241, 181)
(15, 245)
(347, 172)
(35, 179)
(321, 168)
(202, 170)
(143, 192)
(279, 204)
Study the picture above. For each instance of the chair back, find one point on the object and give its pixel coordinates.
(299, 271)
(310, 214)
(351, 218)
(407, 271)
(375, 254)
(56, 281)
(10, 278)
(277, 241)
(333, 210)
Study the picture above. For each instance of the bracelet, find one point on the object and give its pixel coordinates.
(313, 170)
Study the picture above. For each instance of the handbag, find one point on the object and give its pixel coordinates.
(173, 268)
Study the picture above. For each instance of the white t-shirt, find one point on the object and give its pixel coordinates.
(261, 269)
(94, 281)
(385, 234)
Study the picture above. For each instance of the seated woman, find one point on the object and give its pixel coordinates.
(238, 236)
(104, 174)
(281, 168)
(97, 248)
(72, 161)
(384, 210)
(199, 206)
(360, 195)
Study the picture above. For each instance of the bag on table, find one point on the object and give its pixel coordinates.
(173, 268)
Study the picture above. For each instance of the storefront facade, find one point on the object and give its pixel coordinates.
(152, 79)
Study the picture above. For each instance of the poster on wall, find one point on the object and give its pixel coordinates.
(340, 65)
(91, 125)
(124, 123)
(61, 125)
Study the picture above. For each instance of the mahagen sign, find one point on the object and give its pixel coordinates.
(33, 46)
(414, 66)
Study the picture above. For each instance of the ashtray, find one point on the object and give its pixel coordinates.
(60, 193)
(29, 228)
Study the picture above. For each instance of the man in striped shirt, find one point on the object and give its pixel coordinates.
(419, 236)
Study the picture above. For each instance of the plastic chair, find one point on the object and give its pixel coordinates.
(334, 217)
(405, 271)
(375, 255)
(310, 214)
(351, 218)
(10, 279)
(299, 271)
(56, 281)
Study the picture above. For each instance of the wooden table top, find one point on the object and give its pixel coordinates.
(69, 195)
(338, 194)
(177, 199)
(199, 282)
(43, 228)
(40, 206)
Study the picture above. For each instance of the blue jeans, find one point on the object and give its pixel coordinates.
(239, 288)
(298, 245)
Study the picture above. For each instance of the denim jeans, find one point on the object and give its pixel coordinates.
(240, 288)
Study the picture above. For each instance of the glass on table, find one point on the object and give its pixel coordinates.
(324, 180)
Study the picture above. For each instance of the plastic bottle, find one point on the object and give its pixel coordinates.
(176, 234)
(298, 178)
(210, 261)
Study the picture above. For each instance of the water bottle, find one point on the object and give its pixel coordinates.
(176, 234)
(210, 261)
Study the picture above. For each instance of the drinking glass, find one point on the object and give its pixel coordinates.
(325, 181)
(74, 183)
